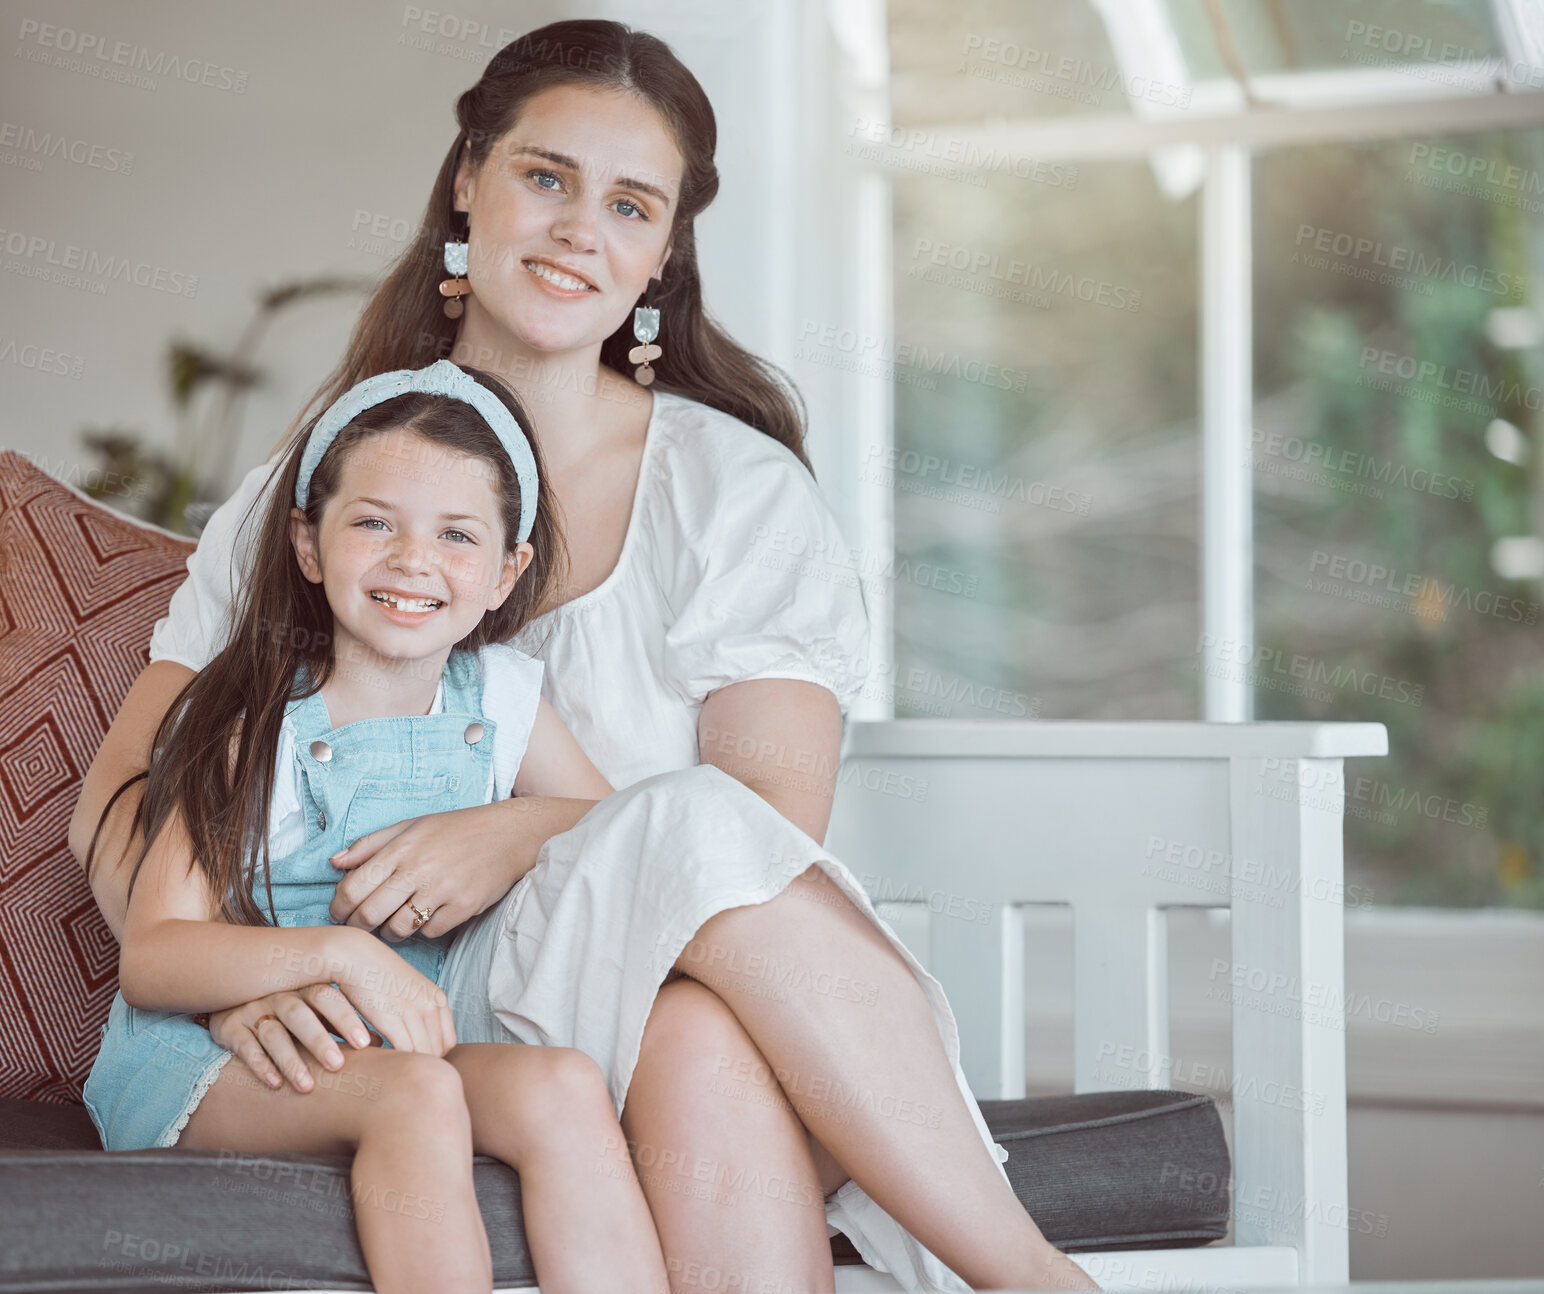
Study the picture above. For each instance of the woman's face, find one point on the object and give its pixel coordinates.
(570, 217)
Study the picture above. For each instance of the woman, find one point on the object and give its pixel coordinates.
(703, 670)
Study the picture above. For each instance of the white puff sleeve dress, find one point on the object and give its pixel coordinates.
(732, 568)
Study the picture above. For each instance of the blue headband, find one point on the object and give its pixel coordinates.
(440, 378)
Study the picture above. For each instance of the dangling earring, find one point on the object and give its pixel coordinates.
(645, 329)
(456, 287)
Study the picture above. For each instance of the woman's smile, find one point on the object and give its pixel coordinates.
(558, 280)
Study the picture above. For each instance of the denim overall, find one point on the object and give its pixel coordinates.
(155, 1066)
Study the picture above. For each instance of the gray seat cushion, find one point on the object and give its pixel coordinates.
(1099, 1171)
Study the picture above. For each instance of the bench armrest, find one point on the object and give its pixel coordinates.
(971, 820)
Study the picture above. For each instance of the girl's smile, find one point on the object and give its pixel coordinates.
(405, 609)
(410, 552)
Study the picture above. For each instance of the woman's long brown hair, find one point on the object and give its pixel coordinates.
(281, 650)
(404, 326)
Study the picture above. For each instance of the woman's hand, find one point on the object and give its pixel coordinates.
(457, 863)
(265, 1033)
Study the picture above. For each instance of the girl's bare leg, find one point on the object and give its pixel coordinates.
(404, 1116)
(547, 1112)
(726, 1165)
(852, 1041)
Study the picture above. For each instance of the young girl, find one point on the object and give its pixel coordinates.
(366, 681)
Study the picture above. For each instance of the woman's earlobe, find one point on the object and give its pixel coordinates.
(461, 184)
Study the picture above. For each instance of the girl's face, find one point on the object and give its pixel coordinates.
(570, 216)
(410, 549)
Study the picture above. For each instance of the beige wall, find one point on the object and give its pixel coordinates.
(343, 115)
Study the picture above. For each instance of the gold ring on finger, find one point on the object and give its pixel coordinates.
(419, 918)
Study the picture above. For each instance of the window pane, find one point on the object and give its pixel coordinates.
(979, 59)
(1045, 464)
(1398, 389)
(1287, 35)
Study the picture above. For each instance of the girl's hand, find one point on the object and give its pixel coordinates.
(405, 1006)
(264, 1033)
(458, 863)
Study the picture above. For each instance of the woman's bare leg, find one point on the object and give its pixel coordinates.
(405, 1118)
(726, 1167)
(851, 1038)
(547, 1112)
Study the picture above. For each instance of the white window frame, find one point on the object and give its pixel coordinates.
(1221, 129)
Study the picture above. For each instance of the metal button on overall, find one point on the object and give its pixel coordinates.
(321, 819)
(321, 752)
(474, 732)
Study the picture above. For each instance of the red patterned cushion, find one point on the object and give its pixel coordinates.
(80, 588)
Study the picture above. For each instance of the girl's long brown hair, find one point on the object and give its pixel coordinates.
(404, 326)
(214, 752)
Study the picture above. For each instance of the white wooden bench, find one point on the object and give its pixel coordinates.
(1121, 821)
